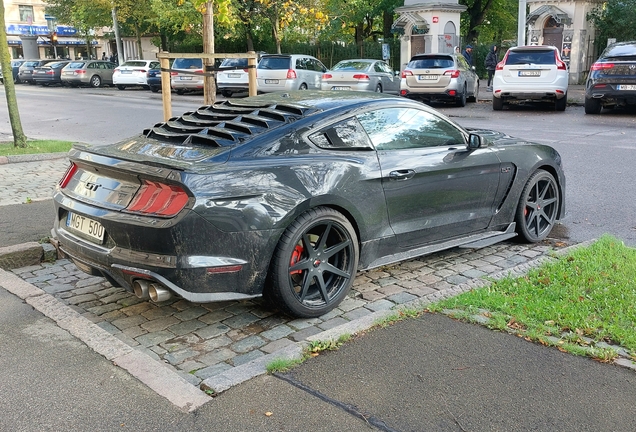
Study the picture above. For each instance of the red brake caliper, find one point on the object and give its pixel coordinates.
(295, 257)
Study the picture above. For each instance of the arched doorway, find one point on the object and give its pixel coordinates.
(552, 33)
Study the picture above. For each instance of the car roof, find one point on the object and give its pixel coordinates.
(532, 47)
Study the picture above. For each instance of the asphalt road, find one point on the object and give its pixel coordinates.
(39, 215)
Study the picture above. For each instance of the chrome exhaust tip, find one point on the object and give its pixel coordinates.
(140, 287)
(158, 293)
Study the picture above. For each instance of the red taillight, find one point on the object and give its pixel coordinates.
(198, 71)
(452, 92)
(403, 92)
(225, 269)
(327, 76)
(174, 73)
(291, 74)
(500, 65)
(602, 66)
(139, 70)
(560, 64)
(50, 72)
(452, 73)
(245, 70)
(80, 71)
(158, 199)
(406, 73)
(363, 77)
(68, 175)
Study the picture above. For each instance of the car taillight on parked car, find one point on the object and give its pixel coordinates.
(560, 64)
(452, 73)
(291, 74)
(158, 199)
(406, 73)
(327, 76)
(500, 65)
(362, 77)
(602, 66)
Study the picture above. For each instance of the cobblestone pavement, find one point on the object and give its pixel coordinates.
(34, 181)
(200, 341)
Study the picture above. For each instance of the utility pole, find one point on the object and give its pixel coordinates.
(120, 51)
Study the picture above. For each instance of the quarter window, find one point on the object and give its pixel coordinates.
(345, 135)
(408, 128)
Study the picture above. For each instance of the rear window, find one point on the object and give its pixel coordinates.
(31, 63)
(274, 63)
(625, 52)
(188, 63)
(56, 65)
(76, 65)
(432, 62)
(352, 66)
(234, 62)
(135, 63)
(518, 57)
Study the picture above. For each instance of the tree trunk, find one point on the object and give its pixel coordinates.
(359, 38)
(19, 139)
(209, 87)
(139, 47)
(387, 23)
(164, 41)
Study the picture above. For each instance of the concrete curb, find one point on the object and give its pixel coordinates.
(31, 157)
(152, 373)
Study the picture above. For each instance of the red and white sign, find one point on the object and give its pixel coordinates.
(435, 19)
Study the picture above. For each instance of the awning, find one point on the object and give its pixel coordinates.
(406, 19)
(559, 16)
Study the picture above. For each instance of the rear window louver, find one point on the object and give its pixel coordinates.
(226, 123)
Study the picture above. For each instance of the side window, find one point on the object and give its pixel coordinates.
(378, 67)
(154, 65)
(301, 63)
(320, 67)
(462, 62)
(345, 135)
(407, 128)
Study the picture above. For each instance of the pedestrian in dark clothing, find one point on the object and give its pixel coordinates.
(491, 65)
(468, 55)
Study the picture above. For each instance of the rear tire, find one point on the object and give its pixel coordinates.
(314, 264)
(461, 99)
(538, 207)
(562, 103)
(303, 86)
(226, 93)
(593, 106)
(96, 81)
(378, 88)
(180, 92)
(154, 89)
(497, 103)
(121, 87)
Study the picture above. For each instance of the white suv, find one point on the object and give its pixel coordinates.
(534, 73)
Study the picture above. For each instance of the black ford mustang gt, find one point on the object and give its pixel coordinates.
(290, 194)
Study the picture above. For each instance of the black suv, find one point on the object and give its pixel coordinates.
(612, 78)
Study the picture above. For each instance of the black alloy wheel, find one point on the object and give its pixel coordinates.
(303, 86)
(314, 263)
(378, 88)
(96, 81)
(538, 207)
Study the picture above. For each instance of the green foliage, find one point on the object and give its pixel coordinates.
(584, 299)
(614, 19)
(282, 365)
(34, 147)
(316, 347)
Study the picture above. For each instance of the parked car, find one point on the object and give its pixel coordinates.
(533, 73)
(50, 73)
(94, 73)
(296, 192)
(15, 70)
(153, 78)
(361, 75)
(25, 71)
(440, 78)
(612, 78)
(186, 75)
(235, 79)
(284, 72)
(133, 73)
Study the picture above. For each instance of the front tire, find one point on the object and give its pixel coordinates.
(538, 207)
(315, 263)
(593, 106)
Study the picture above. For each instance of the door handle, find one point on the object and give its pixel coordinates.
(401, 174)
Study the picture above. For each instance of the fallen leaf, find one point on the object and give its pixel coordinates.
(268, 414)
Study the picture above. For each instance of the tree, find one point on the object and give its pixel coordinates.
(614, 19)
(474, 16)
(19, 139)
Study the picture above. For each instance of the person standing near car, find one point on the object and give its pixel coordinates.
(468, 55)
(491, 65)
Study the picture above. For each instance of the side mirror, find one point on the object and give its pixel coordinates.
(475, 141)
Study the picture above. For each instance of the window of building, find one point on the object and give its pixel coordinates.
(26, 14)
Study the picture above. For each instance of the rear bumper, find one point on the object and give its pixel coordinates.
(609, 95)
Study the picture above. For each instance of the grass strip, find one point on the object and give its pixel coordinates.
(35, 147)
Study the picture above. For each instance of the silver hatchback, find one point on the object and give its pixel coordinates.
(440, 77)
(284, 72)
